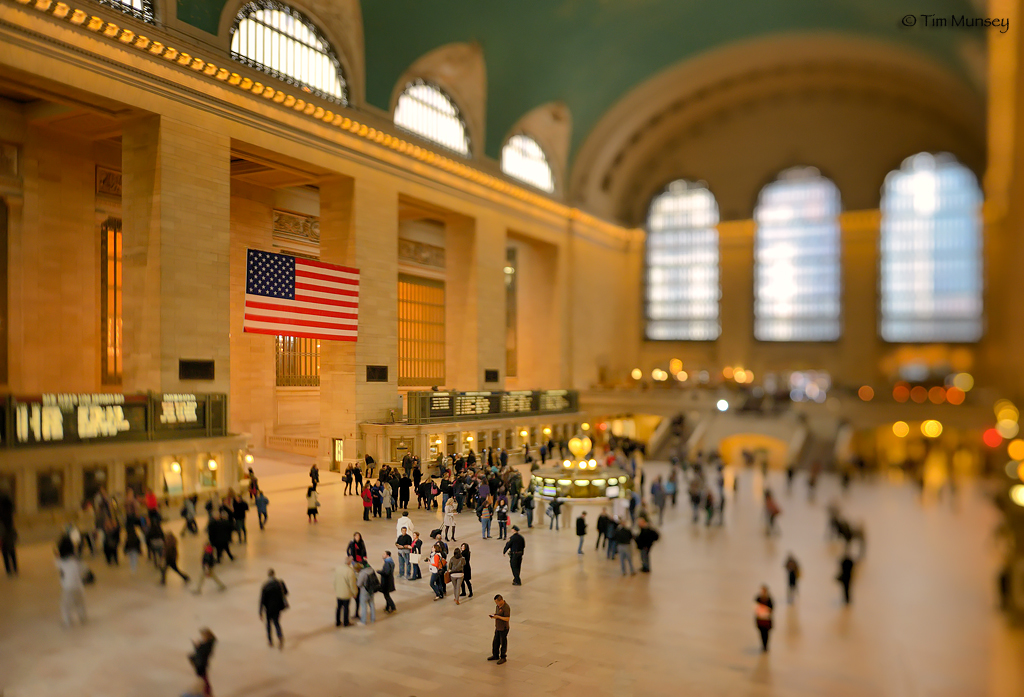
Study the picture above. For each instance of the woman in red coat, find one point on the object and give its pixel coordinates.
(367, 502)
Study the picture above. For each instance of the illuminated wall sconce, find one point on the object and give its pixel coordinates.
(469, 439)
(585, 426)
(175, 466)
(249, 458)
(523, 433)
(547, 431)
(211, 464)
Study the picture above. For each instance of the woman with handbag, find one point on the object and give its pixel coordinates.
(763, 615)
(467, 570)
(312, 503)
(456, 572)
(415, 552)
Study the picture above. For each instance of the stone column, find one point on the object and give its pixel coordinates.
(359, 229)
(176, 200)
(474, 302)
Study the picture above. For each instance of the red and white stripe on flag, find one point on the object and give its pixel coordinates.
(292, 296)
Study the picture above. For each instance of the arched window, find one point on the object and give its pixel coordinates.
(930, 251)
(682, 264)
(278, 40)
(797, 281)
(427, 111)
(523, 159)
(139, 9)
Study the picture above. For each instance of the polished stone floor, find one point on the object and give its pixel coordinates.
(923, 621)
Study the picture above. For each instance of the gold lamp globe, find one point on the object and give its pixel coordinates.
(579, 446)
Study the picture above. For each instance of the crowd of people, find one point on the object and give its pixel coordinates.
(485, 485)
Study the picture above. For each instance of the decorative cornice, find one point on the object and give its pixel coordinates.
(200, 66)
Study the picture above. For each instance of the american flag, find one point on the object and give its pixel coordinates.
(289, 296)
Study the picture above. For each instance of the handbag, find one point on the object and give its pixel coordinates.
(447, 577)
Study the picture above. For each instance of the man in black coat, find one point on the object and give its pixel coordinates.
(515, 547)
(220, 536)
(272, 603)
(602, 528)
(581, 530)
(645, 539)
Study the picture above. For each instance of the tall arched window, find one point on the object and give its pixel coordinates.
(797, 281)
(682, 264)
(427, 111)
(523, 158)
(278, 40)
(140, 9)
(930, 250)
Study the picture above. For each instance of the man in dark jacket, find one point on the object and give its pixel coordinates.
(200, 658)
(581, 530)
(624, 548)
(645, 539)
(387, 581)
(220, 536)
(515, 547)
(602, 528)
(240, 509)
(403, 491)
(272, 603)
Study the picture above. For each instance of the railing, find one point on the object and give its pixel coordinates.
(299, 445)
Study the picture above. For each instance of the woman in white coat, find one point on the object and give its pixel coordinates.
(449, 517)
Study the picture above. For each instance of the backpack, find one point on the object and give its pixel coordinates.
(372, 584)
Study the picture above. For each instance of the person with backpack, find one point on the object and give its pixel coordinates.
(273, 601)
(554, 511)
(261, 508)
(528, 508)
(485, 511)
(645, 539)
(368, 585)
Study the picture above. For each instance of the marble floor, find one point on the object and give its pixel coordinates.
(923, 621)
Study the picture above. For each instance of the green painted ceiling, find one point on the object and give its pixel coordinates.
(589, 53)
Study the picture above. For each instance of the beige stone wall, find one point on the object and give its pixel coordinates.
(176, 254)
(54, 269)
(252, 355)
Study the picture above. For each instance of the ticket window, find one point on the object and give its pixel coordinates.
(435, 441)
(93, 478)
(136, 477)
(495, 439)
(50, 489)
(209, 473)
(173, 485)
(481, 441)
(452, 444)
(508, 439)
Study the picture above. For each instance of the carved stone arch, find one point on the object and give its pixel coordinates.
(459, 70)
(551, 126)
(340, 22)
(738, 115)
